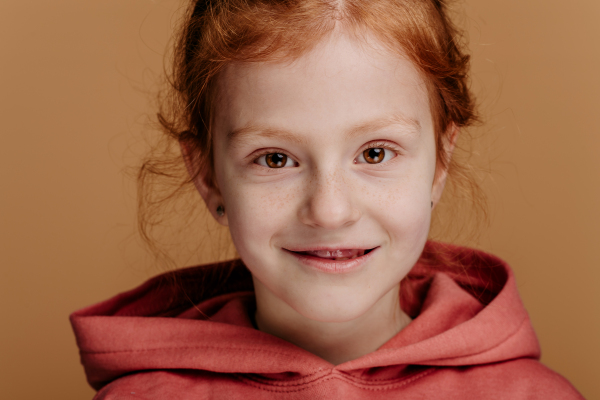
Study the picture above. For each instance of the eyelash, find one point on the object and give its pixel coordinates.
(372, 145)
(271, 151)
(381, 145)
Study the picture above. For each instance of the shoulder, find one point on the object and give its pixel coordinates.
(516, 380)
(523, 378)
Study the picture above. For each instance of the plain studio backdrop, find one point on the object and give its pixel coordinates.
(77, 81)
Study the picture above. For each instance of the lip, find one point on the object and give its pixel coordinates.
(331, 247)
(332, 266)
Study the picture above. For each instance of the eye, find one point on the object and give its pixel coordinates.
(275, 160)
(375, 155)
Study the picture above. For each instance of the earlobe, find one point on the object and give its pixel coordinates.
(209, 192)
(441, 173)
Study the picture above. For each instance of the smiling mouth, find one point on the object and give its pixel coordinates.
(335, 255)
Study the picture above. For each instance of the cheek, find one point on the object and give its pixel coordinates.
(403, 207)
(411, 214)
(257, 212)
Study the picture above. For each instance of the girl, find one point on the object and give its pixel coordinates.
(321, 133)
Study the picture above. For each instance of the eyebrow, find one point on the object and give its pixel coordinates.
(410, 124)
(241, 134)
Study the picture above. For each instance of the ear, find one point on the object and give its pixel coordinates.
(210, 192)
(441, 173)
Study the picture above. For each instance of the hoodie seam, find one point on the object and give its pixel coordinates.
(361, 384)
(258, 349)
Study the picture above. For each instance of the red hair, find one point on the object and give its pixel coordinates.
(215, 33)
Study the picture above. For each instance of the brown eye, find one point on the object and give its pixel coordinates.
(276, 160)
(374, 155)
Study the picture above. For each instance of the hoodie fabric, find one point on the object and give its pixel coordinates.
(170, 338)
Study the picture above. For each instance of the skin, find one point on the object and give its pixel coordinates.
(322, 111)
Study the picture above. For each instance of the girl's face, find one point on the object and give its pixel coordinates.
(333, 152)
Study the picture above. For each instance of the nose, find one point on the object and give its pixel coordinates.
(329, 201)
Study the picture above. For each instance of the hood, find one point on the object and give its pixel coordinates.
(464, 303)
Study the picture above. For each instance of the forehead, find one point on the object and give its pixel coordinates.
(341, 84)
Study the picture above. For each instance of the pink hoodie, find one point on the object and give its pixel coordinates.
(470, 338)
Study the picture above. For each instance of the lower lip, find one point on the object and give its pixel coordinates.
(333, 266)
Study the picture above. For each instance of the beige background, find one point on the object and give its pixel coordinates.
(76, 84)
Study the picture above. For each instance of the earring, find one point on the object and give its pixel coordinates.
(431, 203)
(220, 211)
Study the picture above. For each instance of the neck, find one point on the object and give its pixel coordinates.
(336, 342)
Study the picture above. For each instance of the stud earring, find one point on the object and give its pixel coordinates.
(432, 204)
(220, 211)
